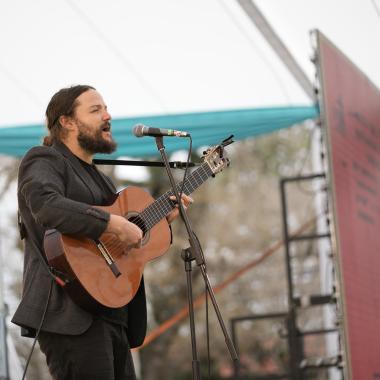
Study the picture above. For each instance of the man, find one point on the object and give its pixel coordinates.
(58, 184)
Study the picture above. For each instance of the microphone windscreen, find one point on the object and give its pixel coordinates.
(138, 130)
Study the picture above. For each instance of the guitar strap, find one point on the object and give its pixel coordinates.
(21, 226)
(52, 272)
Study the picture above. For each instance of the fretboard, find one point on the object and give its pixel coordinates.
(163, 205)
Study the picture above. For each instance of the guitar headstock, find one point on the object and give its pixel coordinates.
(216, 156)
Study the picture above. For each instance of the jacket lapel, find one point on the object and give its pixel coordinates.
(81, 172)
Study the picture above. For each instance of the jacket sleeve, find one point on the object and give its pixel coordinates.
(42, 184)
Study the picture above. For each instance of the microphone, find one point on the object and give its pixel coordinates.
(141, 130)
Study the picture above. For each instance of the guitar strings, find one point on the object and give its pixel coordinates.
(157, 210)
(161, 207)
(164, 204)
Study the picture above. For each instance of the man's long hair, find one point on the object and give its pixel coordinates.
(63, 103)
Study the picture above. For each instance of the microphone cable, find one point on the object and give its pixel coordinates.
(39, 329)
(54, 278)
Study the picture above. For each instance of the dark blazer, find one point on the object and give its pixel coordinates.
(55, 191)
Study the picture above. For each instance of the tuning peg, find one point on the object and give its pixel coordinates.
(227, 141)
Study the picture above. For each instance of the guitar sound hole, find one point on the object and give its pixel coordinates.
(135, 219)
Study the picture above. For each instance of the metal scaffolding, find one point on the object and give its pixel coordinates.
(299, 365)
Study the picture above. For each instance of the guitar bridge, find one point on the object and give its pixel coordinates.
(108, 258)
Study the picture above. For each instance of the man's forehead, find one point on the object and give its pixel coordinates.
(90, 98)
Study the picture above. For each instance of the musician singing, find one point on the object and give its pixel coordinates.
(58, 186)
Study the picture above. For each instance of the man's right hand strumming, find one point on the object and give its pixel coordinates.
(128, 233)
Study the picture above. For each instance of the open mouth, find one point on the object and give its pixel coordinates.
(106, 128)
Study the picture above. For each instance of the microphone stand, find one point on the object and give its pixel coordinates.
(194, 252)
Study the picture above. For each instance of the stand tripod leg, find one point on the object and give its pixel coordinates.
(227, 338)
(186, 255)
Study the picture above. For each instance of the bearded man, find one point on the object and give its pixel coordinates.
(58, 185)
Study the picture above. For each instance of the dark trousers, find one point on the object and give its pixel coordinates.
(101, 353)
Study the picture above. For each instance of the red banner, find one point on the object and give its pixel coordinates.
(351, 114)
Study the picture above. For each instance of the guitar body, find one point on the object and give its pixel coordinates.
(89, 279)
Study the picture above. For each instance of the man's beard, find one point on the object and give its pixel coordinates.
(95, 143)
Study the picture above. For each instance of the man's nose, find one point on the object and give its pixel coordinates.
(106, 116)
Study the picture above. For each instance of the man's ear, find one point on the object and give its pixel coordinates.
(67, 122)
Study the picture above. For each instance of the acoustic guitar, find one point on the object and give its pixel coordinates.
(104, 272)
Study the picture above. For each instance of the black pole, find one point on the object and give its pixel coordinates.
(295, 351)
(174, 164)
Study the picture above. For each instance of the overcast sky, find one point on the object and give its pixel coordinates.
(168, 56)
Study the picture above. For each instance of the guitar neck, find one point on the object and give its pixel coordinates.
(163, 205)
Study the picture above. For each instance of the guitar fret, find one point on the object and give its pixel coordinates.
(163, 205)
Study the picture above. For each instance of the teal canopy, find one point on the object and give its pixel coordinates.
(206, 129)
